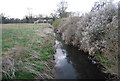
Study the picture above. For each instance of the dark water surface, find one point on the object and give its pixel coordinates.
(74, 64)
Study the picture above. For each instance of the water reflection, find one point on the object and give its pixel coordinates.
(74, 64)
(64, 69)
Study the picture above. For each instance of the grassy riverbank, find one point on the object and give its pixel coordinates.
(27, 51)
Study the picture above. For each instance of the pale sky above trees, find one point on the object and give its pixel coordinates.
(19, 8)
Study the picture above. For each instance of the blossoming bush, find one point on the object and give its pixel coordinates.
(96, 31)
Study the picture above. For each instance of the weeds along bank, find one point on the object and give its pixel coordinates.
(95, 32)
(27, 51)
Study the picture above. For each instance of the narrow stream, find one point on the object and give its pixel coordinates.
(72, 63)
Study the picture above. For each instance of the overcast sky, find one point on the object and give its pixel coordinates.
(19, 8)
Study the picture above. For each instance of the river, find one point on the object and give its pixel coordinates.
(72, 63)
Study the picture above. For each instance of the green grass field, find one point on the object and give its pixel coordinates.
(27, 51)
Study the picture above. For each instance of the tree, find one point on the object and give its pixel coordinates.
(61, 10)
(54, 16)
(98, 5)
(4, 19)
(101, 4)
(27, 19)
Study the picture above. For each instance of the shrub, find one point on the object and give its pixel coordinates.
(94, 31)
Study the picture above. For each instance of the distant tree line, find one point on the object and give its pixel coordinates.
(6, 20)
(26, 19)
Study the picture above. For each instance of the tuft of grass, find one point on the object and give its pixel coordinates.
(23, 74)
(103, 60)
(56, 23)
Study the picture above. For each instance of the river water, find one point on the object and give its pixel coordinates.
(72, 63)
